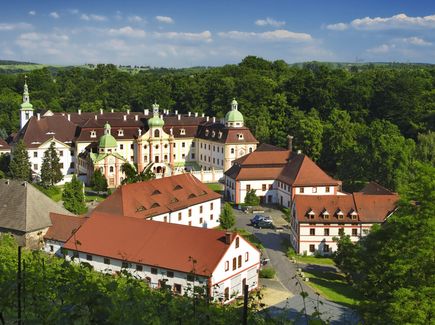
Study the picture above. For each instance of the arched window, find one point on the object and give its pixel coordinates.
(111, 169)
(237, 242)
(156, 134)
(240, 260)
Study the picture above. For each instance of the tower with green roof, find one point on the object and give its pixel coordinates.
(234, 118)
(107, 141)
(26, 110)
(156, 122)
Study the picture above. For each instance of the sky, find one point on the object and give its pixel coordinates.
(216, 32)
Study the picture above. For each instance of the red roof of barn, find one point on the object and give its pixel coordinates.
(63, 226)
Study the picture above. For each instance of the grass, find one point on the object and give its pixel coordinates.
(332, 286)
(267, 273)
(314, 260)
(250, 237)
(54, 193)
(215, 187)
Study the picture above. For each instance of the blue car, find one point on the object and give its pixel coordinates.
(258, 217)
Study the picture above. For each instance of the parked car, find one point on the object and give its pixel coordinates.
(259, 217)
(264, 224)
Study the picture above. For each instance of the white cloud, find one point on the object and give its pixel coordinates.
(73, 11)
(16, 26)
(50, 44)
(415, 41)
(400, 21)
(93, 17)
(164, 19)
(135, 19)
(339, 26)
(54, 15)
(276, 35)
(127, 31)
(381, 49)
(32, 12)
(269, 21)
(205, 36)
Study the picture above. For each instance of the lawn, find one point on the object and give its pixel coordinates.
(314, 260)
(215, 187)
(250, 237)
(332, 285)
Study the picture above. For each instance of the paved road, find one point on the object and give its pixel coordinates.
(272, 240)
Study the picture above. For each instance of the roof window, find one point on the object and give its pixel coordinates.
(182, 131)
(155, 205)
(93, 134)
(191, 196)
(120, 133)
(178, 187)
(240, 136)
(155, 192)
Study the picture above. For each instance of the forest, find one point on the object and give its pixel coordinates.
(358, 122)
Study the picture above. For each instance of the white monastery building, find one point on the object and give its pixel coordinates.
(174, 143)
(170, 255)
(180, 199)
(315, 220)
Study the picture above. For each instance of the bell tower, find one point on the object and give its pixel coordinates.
(26, 110)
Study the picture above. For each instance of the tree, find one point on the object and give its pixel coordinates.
(51, 172)
(131, 175)
(19, 167)
(308, 133)
(251, 198)
(425, 150)
(227, 219)
(73, 196)
(99, 181)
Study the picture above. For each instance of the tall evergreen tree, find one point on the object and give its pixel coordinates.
(251, 198)
(226, 218)
(73, 197)
(19, 167)
(51, 172)
(99, 181)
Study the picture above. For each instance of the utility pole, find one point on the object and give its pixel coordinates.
(245, 304)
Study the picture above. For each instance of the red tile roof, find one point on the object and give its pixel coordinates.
(369, 208)
(376, 189)
(4, 145)
(153, 243)
(158, 196)
(63, 226)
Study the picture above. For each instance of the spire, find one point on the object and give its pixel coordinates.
(155, 109)
(107, 128)
(26, 98)
(234, 105)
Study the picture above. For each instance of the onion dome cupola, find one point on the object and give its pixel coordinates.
(156, 121)
(234, 118)
(107, 140)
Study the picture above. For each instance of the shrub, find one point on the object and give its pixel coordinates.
(290, 252)
(267, 273)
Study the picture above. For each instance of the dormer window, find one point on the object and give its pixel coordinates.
(207, 132)
(155, 205)
(183, 132)
(220, 135)
(191, 196)
(177, 187)
(240, 136)
(311, 214)
(325, 214)
(93, 134)
(353, 214)
(156, 192)
(213, 134)
(340, 214)
(120, 133)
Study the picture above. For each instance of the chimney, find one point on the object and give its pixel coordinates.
(146, 111)
(96, 117)
(136, 118)
(190, 114)
(111, 110)
(161, 116)
(179, 116)
(128, 111)
(290, 142)
(214, 119)
(196, 114)
(38, 116)
(69, 117)
(207, 118)
(101, 111)
(228, 237)
(125, 117)
(139, 131)
(80, 112)
(176, 112)
(202, 115)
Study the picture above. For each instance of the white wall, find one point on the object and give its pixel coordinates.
(258, 186)
(53, 247)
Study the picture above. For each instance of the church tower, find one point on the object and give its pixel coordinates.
(234, 119)
(26, 110)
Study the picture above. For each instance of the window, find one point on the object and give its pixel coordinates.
(312, 248)
(183, 156)
(193, 144)
(211, 206)
(121, 147)
(190, 212)
(89, 257)
(327, 189)
(192, 156)
(270, 186)
(183, 144)
(179, 216)
(326, 231)
(93, 134)
(177, 288)
(170, 274)
(354, 232)
(301, 190)
(240, 136)
(165, 157)
(156, 134)
(120, 133)
(201, 220)
(234, 263)
(139, 268)
(200, 209)
(106, 260)
(314, 189)
(240, 261)
(211, 217)
(232, 150)
(190, 223)
(35, 166)
(227, 293)
(248, 187)
(132, 146)
(263, 187)
(165, 219)
(341, 231)
(75, 254)
(35, 154)
(153, 270)
(326, 248)
(237, 242)
(190, 277)
(124, 265)
(246, 256)
(111, 169)
(227, 265)
(52, 248)
(250, 150)
(312, 231)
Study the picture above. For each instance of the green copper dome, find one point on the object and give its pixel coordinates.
(234, 116)
(156, 122)
(107, 140)
(27, 105)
